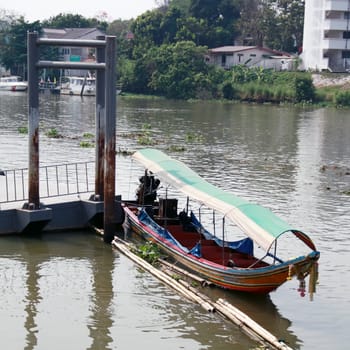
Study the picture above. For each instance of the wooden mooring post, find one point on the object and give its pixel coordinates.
(105, 123)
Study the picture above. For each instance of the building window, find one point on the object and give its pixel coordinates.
(345, 54)
(346, 35)
(347, 15)
(239, 56)
(252, 55)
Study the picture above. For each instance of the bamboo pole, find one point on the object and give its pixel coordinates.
(248, 325)
(243, 321)
(201, 281)
(161, 276)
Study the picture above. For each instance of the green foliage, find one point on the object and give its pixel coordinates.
(176, 277)
(177, 148)
(88, 135)
(68, 20)
(86, 144)
(228, 90)
(145, 138)
(149, 252)
(277, 24)
(304, 89)
(183, 5)
(53, 133)
(264, 85)
(205, 22)
(23, 130)
(126, 75)
(193, 137)
(177, 71)
(165, 55)
(342, 98)
(218, 18)
(147, 33)
(13, 45)
(244, 74)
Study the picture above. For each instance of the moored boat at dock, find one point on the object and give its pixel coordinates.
(229, 264)
(13, 83)
(80, 86)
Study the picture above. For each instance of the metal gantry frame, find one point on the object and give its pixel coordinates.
(106, 104)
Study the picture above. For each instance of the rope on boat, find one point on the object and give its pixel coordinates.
(244, 322)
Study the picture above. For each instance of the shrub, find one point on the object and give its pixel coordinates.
(304, 89)
(342, 98)
(228, 91)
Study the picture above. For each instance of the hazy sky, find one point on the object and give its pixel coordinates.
(34, 10)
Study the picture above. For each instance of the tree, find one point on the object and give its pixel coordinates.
(13, 54)
(146, 32)
(251, 22)
(6, 18)
(191, 29)
(183, 5)
(74, 21)
(122, 31)
(277, 24)
(170, 24)
(291, 18)
(180, 70)
(220, 17)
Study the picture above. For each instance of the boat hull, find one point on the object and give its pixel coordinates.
(253, 280)
(78, 86)
(14, 87)
(76, 92)
(13, 83)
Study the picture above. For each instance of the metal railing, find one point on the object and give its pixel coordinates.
(55, 180)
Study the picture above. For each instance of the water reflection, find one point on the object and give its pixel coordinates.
(77, 289)
(291, 160)
(259, 307)
(13, 301)
(101, 298)
(59, 274)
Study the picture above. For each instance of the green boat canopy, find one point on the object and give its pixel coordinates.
(257, 222)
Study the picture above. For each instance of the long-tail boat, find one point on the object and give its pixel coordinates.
(181, 235)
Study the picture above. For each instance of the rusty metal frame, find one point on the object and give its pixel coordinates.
(105, 117)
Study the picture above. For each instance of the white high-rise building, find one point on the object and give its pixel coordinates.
(326, 43)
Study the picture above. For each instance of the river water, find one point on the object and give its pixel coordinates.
(70, 290)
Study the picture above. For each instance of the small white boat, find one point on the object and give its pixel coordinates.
(81, 86)
(13, 83)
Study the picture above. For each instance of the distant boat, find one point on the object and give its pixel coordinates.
(80, 86)
(13, 83)
(48, 86)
